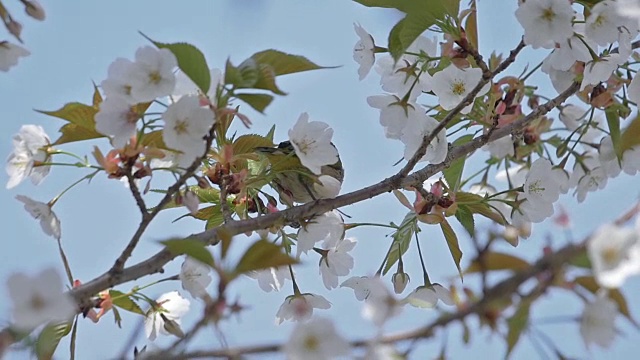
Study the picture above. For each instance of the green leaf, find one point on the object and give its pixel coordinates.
(97, 97)
(283, 63)
(631, 135)
(125, 302)
(263, 255)
(116, 317)
(401, 240)
(49, 338)
(74, 133)
(72, 342)
(191, 61)
(82, 125)
(517, 324)
(153, 139)
(421, 14)
(581, 261)
(495, 261)
(246, 144)
(401, 5)
(613, 120)
(257, 101)
(452, 242)
(471, 25)
(589, 283)
(191, 247)
(453, 173)
(267, 80)
(478, 205)
(465, 217)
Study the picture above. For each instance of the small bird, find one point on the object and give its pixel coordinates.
(293, 181)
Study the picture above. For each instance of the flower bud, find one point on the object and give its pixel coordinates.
(400, 281)
(15, 28)
(172, 326)
(34, 9)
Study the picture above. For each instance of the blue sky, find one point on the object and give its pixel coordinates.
(79, 40)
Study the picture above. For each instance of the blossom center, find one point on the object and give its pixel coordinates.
(458, 88)
(305, 145)
(37, 302)
(311, 343)
(610, 255)
(181, 127)
(548, 14)
(155, 77)
(535, 187)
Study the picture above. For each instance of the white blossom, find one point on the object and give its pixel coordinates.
(452, 85)
(597, 324)
(631, 160)
(117, 120)
(315, 340)
(191, 202)
(195, 277)
(608, 158)
(165, 318)
(300, 307)
(633, 90)
(328, 228)
(535, 212)
(414, 133)
(515, 175)
(587, 176)
(574, 117)
(30, 146)
(561, 80)
(40, 211)
(363, 51)
(400, 79)
(540, 187)
(38, 299)
(312, 143)
(362, 286)
(604, 23)
(153, 74)
(615, 254)
(393, 115)
(119, 81)
(545, 22)
(328, 187)
(599, 70)
(337, 262)
(567, 52)
(272, 278)
(10, 54)
(186, 125)
(500, 148)
(379, 305)
(428, 296)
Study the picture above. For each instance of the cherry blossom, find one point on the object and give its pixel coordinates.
(597, 324)
(394, 115)
(615, 254)
(328, 187)
(165, 318)
(604, 23)
(315, 340)
(312, 143)
(337, 262)
(452, 85)
(362, 286)
(153, 74)
(540, 187)
(428, 296)
(40, 211)
(271, 279)
(186, 125)
(545, 22)
(608, 158)
(400, 79)
(414, 134)
(117, 120)
(10, 54)
(380, 305)
(119, 81)
(328, 228)
(300, 307)
(195, 277)
(39, 299)
(31, 147)
(363, 51)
